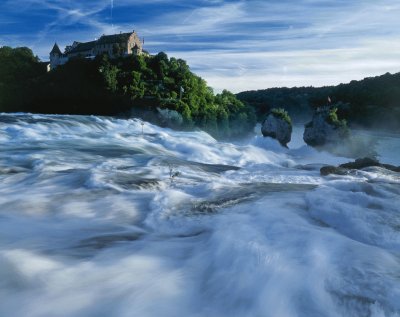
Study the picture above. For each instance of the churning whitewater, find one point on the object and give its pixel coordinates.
(109, 217)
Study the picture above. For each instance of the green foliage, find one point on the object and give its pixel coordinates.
(282, 114)
(371, 102)
(332, 118)
(294, 100)
(106, 86)
(110, 73)
(18, 70)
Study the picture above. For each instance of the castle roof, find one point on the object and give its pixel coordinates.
(115, 38)
(87, 47)
(56, 50)
(83, 47)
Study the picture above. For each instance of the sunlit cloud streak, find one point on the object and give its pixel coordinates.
(237, 45)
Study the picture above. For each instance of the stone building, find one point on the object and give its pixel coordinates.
(115, 45)
(56, 57)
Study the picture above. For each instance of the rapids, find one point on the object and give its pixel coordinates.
(109, 217)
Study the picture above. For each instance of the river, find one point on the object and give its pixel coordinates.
(112, 217)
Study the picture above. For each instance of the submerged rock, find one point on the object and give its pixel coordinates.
(325, 128)
(330, 169)
(170, 118)
(278, 125)
(358, 164)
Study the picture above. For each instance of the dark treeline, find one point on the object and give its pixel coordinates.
(371, 103)
(132, 84)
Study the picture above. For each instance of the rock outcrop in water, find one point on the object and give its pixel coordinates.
(358, 164)
(170, 118)
(367, 103)
(325, 128)
(278, 125)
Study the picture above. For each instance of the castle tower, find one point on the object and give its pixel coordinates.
(55, 56)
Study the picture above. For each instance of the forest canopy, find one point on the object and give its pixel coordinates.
(371, 103)
(119, 86)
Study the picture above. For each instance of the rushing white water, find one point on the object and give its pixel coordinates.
(98, 219)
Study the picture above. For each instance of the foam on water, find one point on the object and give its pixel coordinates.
(100, 219)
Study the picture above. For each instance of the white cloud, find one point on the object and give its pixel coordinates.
(247, 71)
(319, 46)
(249, 44)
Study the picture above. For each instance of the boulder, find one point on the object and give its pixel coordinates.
(329, 169)
(278, 125)
(325, 128)
(358, 164)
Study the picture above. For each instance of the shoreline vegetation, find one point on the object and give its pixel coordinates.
(164, 91)
(153, 88)
(372, 102)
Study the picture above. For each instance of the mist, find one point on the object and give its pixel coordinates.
(95, 223)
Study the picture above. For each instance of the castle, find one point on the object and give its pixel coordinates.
(113, 45)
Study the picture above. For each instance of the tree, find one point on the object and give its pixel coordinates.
(18, 69)
(113, 86)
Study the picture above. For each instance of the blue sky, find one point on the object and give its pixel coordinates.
(233, 44)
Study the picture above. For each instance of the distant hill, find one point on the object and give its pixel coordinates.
(119, 86)
(373, 102)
